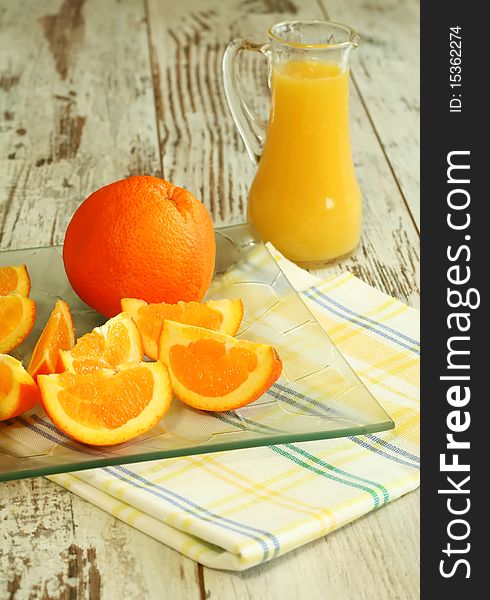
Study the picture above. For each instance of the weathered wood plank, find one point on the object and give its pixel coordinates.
(87, 65)
(54, 545)
(377, 557)
(199, 142)
(77, 110)
(386, 73)
(388, 260)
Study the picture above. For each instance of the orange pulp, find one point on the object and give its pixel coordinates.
(208, 368)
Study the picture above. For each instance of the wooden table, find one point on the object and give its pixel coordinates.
(92, 91)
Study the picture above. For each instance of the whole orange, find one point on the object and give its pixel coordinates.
(141, 237)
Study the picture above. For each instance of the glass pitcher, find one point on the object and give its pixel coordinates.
(305, 198)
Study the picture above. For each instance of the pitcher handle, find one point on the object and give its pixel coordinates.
(250, 126)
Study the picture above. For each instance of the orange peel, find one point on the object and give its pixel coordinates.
(213, 371)
(58, 334)
(107, 407)
(18, 390)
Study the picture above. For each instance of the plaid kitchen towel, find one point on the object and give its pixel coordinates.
(233, 510)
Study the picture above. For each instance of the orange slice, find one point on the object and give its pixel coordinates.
(107, 407)
(116, 342)
(213, 371)
(18, 391)
(14, 279)
(17, 318)
(59, 334)
(224, 316)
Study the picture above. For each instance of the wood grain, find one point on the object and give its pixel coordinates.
(78, 108)
(53, 545)
(357, 561)
(199, 142)
(386, 75)
(93, 91)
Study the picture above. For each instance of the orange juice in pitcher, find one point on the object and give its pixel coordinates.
(305, 198)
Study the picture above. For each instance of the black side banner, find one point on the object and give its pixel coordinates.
(455, 330)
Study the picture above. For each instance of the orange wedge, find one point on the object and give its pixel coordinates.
(18, 391)
(14, 279)
(17, 318)
(59, 334)
(107, 407)
(213, 371)
(116, 342)
(224, 316)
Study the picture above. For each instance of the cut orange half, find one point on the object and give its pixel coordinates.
(17, 318)
(214, 371)
(107, 407)
(116, 342)
(224, 316)
(59, 334)
(18, 391)
(14, 279)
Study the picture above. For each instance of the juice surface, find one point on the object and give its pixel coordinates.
(305, 198)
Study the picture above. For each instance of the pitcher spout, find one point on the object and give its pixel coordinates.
(314, 40)
(354, 40)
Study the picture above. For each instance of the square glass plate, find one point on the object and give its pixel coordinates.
(318, 395)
